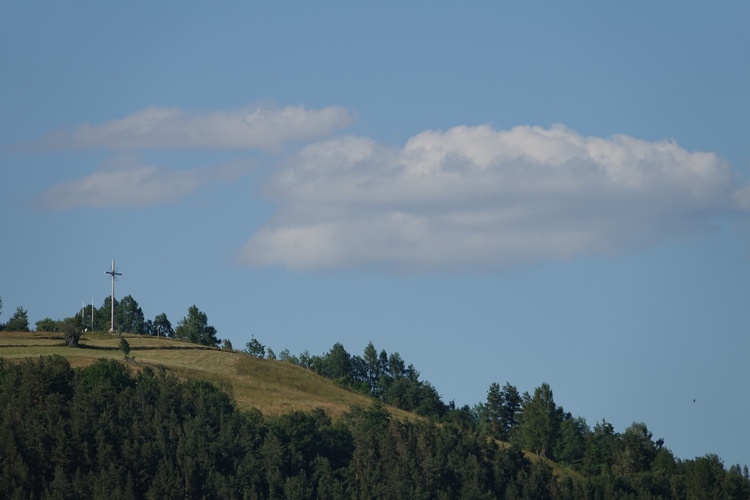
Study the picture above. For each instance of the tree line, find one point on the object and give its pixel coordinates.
(384, 377)
(101, 432)
(533, 422)
(128, 318)
(626, 463)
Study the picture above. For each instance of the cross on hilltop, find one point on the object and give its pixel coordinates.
(112, 273)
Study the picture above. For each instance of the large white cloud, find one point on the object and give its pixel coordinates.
(479, 198)
(173, 128)
(127, 182)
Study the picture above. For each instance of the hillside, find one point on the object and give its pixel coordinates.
(118, 429)
(272, 386)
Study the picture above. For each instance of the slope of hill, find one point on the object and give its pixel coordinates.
(272, 386)
(100, 433)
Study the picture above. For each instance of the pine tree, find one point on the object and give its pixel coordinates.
(541, 422)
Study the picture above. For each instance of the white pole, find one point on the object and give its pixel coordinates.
(112, 273)
(112, 302)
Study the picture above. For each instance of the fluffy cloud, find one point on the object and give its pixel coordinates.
(126, 182)
(479, 198)
(171, 128)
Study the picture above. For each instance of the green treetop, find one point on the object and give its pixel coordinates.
(195, 328)
(19, 322)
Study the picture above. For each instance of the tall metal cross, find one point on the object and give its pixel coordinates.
(112, 273)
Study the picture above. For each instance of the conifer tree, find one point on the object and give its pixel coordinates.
(540, 422)
(124, 347)
(19, 322)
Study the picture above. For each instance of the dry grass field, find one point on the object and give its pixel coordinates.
(272, 386)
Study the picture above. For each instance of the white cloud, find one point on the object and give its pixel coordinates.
(126, 182)
(479, 198)
(172, 128)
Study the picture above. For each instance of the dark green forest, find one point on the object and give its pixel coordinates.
(100, 432)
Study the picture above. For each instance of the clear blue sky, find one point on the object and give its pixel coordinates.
(503, 191)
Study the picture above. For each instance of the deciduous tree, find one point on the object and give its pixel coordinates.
(46, 325)
(638, 449)
(72, 331)
(129, 316)
(602, 447)
(195, 328)
(255, 348)
(102, 316)
(571, 443)
(285, 355)
(162, 326)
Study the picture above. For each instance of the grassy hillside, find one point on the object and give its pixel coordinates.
(272, 386)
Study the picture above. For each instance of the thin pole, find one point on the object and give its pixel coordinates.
(112, 302)
(112, 312)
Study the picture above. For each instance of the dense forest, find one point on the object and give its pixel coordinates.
(100, 431)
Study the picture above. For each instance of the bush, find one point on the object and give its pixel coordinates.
(125, 347)
(72, 332)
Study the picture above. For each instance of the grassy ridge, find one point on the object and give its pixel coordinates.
(272, 386)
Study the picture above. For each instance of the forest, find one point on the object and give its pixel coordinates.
(105, 430)
(102, 432)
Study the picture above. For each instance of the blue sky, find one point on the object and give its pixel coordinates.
(520, 192)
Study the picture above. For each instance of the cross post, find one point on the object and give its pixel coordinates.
(112, 273)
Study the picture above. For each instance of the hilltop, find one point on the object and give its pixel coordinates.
(272, 386)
